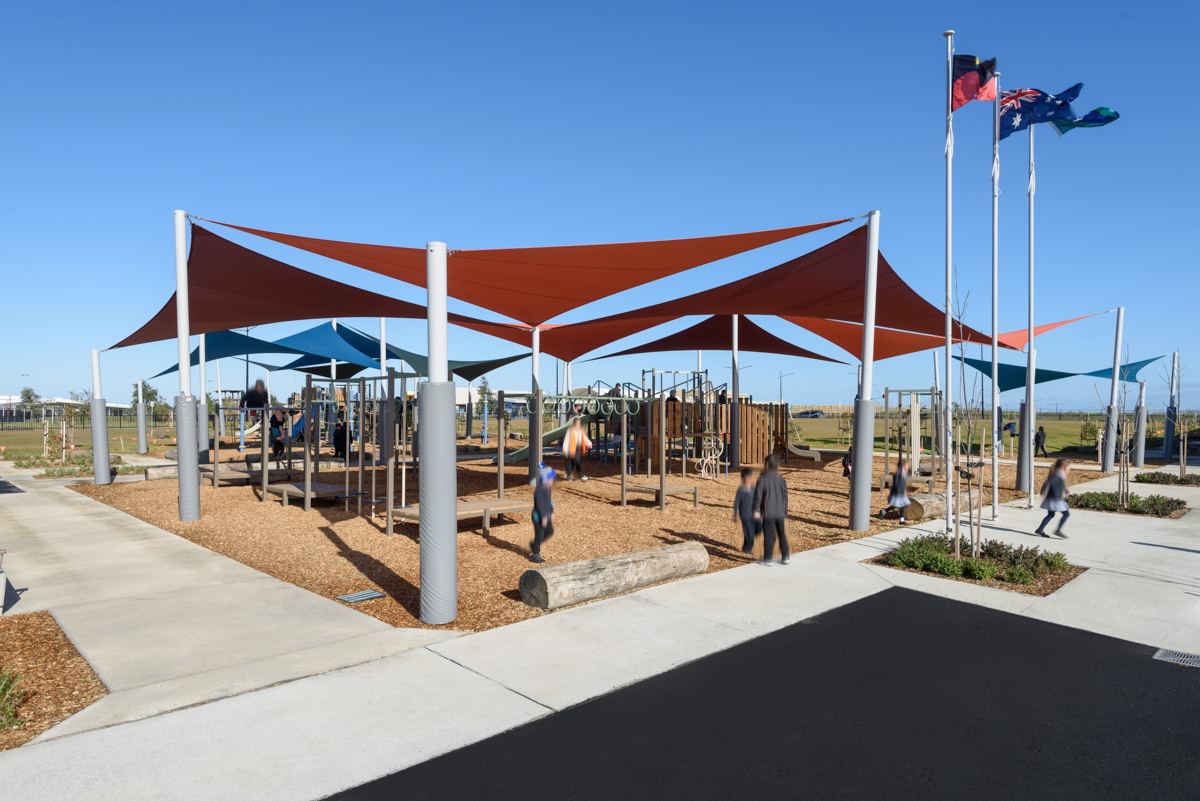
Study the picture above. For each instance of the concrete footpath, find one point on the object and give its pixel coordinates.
(315, 736)
(166, 623)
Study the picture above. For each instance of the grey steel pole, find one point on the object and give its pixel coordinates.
(1029, 423)
(624, 445)
(439, 482)
(1110, 423)
(535, 415)
(501, 442)
(220, 415)
(202, 404)
(470, 413)
(101, 469)
(1172, 409)
(141, 422)
(863, 442)
(186, 421)
(662, 452)
(735, 406)
(1139, 436)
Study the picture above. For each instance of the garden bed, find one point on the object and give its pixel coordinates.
(1152, 505)
(1168, 479)
(1024, 568)
(47, 679)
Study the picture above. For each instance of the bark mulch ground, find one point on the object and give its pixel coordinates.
(56, 682)
(331, 552)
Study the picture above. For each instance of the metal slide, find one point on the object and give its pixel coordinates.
(550, 437)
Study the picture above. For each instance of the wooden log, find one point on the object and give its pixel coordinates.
(555, 586)
(929, 505)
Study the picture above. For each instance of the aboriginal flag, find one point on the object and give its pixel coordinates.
(973, 80)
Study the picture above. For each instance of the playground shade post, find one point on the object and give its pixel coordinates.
(1139, 436)
(535, 417)
(438, 487)
(863, 443)
(1110, 424)
(735, 406)
(141, 422)
(501, 434)
(186, 446)
(101, 471)
(202, 405)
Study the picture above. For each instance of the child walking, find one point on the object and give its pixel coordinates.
(770, 506)
(1054, 498)
(543, 512)
(743, 510)
(575, 444)
(898, 497)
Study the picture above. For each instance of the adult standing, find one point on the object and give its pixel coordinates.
(770, 506)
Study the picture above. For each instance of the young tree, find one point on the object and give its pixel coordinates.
(149, 394)
(484, 392)
(29, 398)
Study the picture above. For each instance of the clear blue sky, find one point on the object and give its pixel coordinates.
(491, 125)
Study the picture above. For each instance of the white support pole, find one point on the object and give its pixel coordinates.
(995, 415)
(1139, 435)
(220, 400)
(863, 443)
(331, 405)
(185, 409)
(439, 482)
(947, 442)
(1172, 408)
(1108, 459)
(101, 468)
(735, 406)
(383, 353)
(535, 417)
(97, 392)
(141, 421)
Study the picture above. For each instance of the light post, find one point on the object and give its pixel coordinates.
(782, 375)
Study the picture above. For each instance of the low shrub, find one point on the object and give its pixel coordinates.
(1055, 562)
(944, 565)
(10, 698)
(1154, 505)
(980, 569)
(995, 549)
(1018, 574)
(1173, 479)
(919, 552)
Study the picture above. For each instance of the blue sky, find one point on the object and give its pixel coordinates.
(492, 125)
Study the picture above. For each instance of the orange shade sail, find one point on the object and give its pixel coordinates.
(1017, 340)
(536, 284)
(716, 333)
(230, 286)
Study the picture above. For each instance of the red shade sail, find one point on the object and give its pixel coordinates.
(1017, 340)
(848, 337)
(535, 284)
(716, 333)
(230, 287)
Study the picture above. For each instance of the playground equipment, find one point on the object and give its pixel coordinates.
(912, 432)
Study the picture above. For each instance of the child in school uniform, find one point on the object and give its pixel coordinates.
(743, 511)
(543, 512)
(898, 497)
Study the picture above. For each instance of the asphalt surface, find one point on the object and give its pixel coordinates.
(901, 695)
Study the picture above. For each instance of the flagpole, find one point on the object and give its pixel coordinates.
(949, 383)
(1030, 412)
(995, 297)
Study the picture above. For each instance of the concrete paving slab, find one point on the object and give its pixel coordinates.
(301, 740)
(568, 657)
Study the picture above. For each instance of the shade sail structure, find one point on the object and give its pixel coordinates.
(467, 370)
(345, 370)
(716, 333)
(1129, 371)
(828, 283)
(223, 344)
(1012, 376)
(848, 336)
(324, 339)
(1017, 340)
(231, 286)
(536, 284)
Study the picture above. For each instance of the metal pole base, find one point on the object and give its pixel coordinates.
(439, 504)
(1139, 438)
(141, 428)
(863, 443)
(1109, 457)
(1169, 432)
(101, 469)
(188, 458)
(735, 434)
(202, 441)
(1024, 454)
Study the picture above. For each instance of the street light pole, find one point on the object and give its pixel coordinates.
(782, 375)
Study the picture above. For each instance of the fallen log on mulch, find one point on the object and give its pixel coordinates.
(927, 505)
(555, 586)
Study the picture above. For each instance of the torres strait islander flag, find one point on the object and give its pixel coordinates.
(973, 80)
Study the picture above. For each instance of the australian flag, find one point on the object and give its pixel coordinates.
(1020, 108)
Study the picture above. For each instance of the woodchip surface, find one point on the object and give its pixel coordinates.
(332, 552)
(56, 681)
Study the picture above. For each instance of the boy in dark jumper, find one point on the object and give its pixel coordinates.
(770, 506)
(543, 512)
(743, 510)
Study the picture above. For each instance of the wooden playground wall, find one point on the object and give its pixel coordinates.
(764, 426)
